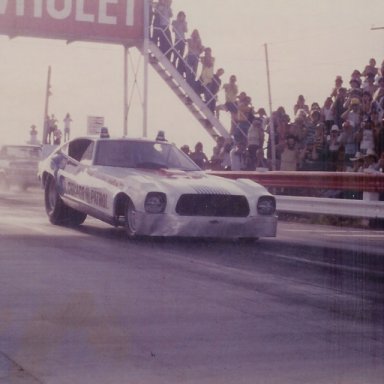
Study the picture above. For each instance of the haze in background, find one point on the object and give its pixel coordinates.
(309, 43)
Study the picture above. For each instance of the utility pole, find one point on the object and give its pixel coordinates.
(271, 125)
(125, 127)
(145, 71)
(47, 94)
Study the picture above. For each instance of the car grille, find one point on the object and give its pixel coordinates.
(212, 205)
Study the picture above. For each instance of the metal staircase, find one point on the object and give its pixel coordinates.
(185, 92)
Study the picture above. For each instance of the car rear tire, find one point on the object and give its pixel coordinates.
(130, 220)
(54, 206)
(59, 213)
(76, 218)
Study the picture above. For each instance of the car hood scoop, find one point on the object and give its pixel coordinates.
(208, 190)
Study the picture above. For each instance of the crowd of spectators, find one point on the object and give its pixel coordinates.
(345, 132)
(53, 132)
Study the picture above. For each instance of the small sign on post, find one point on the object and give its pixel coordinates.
(94, 125)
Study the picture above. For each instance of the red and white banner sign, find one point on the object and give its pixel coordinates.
(106, 21)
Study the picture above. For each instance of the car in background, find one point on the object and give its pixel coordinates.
(19, 165)
(151, 188)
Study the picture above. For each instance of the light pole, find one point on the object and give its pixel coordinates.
(271, 125)
(125, 128)
(47, 94)
(146, 59)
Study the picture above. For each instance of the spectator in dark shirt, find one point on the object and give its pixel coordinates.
(180, 28)
(300, 104)
(199, 157)
(161, 21)
(371, 68)
(338, 85)
(212, 90)
(195, 49)
(218, 154)
(338, 106)
(185, 149)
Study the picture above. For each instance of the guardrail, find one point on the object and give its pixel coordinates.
(371, 184)
(362, 209)
(354, 181)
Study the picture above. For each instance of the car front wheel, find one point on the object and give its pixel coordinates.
(130, 220)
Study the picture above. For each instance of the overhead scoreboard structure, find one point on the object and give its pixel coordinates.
(123, 22)
(103, 21)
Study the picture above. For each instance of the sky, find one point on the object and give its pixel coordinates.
(309, 43)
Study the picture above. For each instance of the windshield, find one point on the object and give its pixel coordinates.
(141, 154)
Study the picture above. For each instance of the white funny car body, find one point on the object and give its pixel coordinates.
(151, 188)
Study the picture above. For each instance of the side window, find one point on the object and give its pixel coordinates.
(88, 154)
(77, 148)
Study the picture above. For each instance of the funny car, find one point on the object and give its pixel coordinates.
(150, 188)
(19, 165)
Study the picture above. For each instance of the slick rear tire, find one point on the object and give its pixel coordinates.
(59, 213)
(76, 218)
(56, 210)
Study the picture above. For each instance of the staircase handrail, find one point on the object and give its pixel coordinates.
(211, 116)
(188, 90)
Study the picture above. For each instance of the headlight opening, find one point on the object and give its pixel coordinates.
(266, 205)
(155, 202)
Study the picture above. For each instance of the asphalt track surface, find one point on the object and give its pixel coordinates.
(86, 305)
